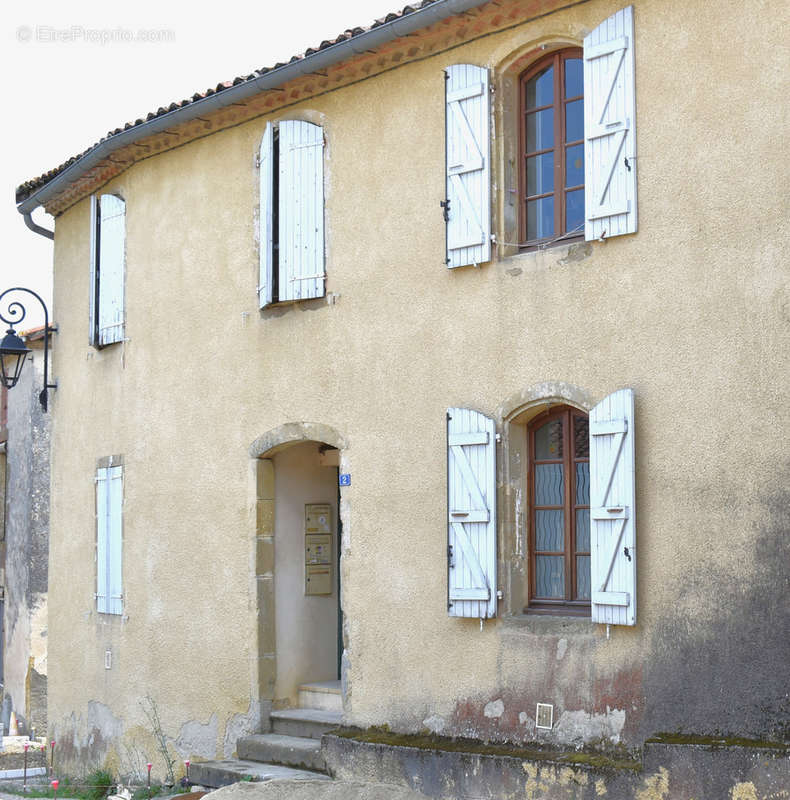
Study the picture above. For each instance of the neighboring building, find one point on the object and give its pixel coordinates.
(561, 432)
(26, 546)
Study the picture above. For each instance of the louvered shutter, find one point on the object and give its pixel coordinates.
(109, 501)
(301, 211)
(112, 258)
(471, 500)
(609, 128)
(265, 282)
(468, 170)
(612, 510)
(102, 507)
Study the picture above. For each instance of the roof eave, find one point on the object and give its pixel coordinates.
(370, 39)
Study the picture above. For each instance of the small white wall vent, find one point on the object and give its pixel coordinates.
(544, 716)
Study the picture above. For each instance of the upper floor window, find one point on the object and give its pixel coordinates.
(108, 261)
(292, 212)
(569, 152)
(552, 147)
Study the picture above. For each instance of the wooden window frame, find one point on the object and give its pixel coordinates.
(567, 605)
(556, 59)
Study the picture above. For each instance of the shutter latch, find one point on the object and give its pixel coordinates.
(445, 204)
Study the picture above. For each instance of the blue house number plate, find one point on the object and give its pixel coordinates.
(345, 479)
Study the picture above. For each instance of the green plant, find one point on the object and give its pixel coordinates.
(152, 715)
(98, 784)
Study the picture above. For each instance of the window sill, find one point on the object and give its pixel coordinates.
(537, 259)
(548, 625)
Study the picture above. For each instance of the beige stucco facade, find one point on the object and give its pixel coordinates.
(692, 312)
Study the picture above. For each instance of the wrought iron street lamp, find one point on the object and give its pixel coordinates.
(13, 350)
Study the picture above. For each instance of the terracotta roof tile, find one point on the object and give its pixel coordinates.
(28, 187)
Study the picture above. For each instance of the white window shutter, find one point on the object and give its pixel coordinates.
(114, 539)
(610, 128)
(468, 167)
(265, 282)
(471, 500)
(612, 510)
(109, 526)
(301, 211)
(111, 262)
(102, 508)
(94, 217)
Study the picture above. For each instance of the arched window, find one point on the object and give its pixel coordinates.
(552, 148)
(559, 503)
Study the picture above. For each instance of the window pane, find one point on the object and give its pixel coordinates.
(540, 89)
(581, 437)
(583, 483)
(540, 218)
(550, 576)
(540, 174)
(582, 577)
(574, 165)
(540, 130)
(550, 530)
(548, 440)
(582, 530)
(574, 211)
(549, 485)
(574, 121)
(574, 77)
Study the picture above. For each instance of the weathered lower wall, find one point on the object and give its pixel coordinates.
(27, 550)
(668, 772)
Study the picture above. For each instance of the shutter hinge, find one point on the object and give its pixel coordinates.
(447, 78)
(257, 161)
(445, 204)
(498, 437)
(450, 563)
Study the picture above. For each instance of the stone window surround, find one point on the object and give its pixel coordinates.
(512, 419)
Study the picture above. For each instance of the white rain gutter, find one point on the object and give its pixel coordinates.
(333, 54)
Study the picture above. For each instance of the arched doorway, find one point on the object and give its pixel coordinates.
(298, 543)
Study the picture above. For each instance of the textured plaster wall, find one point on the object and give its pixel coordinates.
(26, 537)
(692, 312)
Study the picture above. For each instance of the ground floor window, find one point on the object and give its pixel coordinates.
(559, 512)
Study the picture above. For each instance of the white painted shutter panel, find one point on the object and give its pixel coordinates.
(471, 500)
(114, 539)
(612, 510)
(109, 503)
(609, 128)
(301, 212)
(102, 506)
(93, 337)
(265, 282)
(467, 154)
(112, 258)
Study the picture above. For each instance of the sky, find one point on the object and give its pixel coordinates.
(76, 70)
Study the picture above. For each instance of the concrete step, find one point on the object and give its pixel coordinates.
(308, 723)
(290, 751)
(222, 773)
(321, 694)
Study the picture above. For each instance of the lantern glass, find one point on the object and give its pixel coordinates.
(12, 357)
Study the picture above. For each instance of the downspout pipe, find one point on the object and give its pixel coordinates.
(28, 217)
(441, 9)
